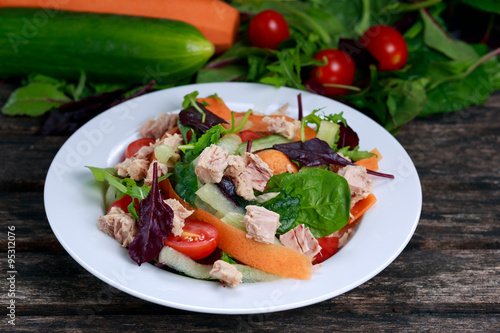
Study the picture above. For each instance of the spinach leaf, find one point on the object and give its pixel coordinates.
(325, 199)
(186, 182)
(435, 37)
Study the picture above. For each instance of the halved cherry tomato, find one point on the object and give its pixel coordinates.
(387, 45)
(340, 69)
(329, 246)
(134, 147)
(198, 240)
(247, 135)
(123, 203)
(268, 29)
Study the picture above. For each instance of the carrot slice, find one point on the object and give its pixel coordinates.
(376, 152)
(370, 163)
(219, 108)
(216, 20)
(278, 161)
(361, 207)
(270, 258)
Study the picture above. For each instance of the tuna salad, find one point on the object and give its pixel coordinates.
(238, 197)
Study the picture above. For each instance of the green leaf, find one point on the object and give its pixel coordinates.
(325, 199)
(435, 37)
(405, 100)
(355, 154)
(34, 100)
(186, 181)
(492, 6)
(212, 136)
(222, 74)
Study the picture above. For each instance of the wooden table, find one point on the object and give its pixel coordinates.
(447, 279)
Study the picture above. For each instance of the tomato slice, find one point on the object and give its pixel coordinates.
(134, 147)
(198, 240)
(247, 135)
(123, 203)
(329, 246)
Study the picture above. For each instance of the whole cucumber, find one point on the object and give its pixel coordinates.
(108, 48)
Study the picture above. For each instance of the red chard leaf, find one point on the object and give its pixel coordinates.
(192, 117)
(155, 224)
(347, 137)
(316, 152)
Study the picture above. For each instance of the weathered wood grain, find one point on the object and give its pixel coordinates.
(418, 282)
(447, 279)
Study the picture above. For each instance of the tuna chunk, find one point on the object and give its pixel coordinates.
(211, 164)
(358, 180)
(180, 215)
(248, 173)
(226, 272)
(161, 170)
(282, 126)
(119, 225)
(172, 140)
(156, 128)
(133, 167)
(144, 153)
(261, 224)
(301, 240)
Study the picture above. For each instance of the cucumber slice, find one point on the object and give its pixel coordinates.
(210, 194)
(327, 131)
(235, 219)
(230, 142)
(182, 263)
(263, 143)
(110, 196)
(252, 275)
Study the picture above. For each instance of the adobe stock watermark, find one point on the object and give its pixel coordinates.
(32, 25)
(11, 275)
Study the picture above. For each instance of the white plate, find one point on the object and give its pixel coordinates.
(73, 202)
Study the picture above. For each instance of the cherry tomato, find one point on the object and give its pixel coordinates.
(268, 29)
(249, 135)
(329, 246)
(134, 147)
(387, 45)
(123, 203)
(198, 240)
(340, 69)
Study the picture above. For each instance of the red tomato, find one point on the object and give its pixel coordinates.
(134, 147)
(387, 45)
(329, 246)
(198, 240)
(123, 203)
(249, 135)
(340, 69)
(268, 29)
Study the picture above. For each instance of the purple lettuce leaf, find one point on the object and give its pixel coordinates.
(155, 224)
(316, 152)
(347, 137)
(192, 117)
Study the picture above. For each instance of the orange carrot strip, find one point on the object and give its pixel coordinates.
(219, 108)
(376, 152)
(361, 207)
(271, 258)
(216, 20)
(370, 163)
(277, 161)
